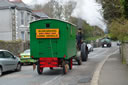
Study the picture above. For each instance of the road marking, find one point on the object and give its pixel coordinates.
(96, 74)
(98, 55)
(52, 80)
(95, 55)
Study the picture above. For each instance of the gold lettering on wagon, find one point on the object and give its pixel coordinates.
(47, 33)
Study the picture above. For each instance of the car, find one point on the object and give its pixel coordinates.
(9, 62)
(118, 43)
(106, 42)
(25, 57)
(90, 47)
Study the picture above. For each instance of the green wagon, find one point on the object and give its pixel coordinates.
(53, 44)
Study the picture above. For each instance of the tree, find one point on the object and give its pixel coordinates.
(112, 9)
(119, 30)
(56, 10)
(125, 8)
(63, 11)
(91, 31)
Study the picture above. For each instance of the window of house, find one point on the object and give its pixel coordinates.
(22, 35)
(22, 18)
(28, 18)
(32, 18)
(28, 35)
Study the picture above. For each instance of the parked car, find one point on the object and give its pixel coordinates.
(25, 57)
(90, 47)
(9, 62)
(118, 43)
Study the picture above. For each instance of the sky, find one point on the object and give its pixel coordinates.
(88, 10)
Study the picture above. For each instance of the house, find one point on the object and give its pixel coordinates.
(15, 17)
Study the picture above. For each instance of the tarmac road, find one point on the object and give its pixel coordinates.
(80, 75)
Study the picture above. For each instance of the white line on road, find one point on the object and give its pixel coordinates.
(96, 75)
(52, 80)
(97, 55)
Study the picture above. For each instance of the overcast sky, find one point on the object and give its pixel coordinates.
(88, 10)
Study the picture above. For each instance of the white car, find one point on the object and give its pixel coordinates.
(9, 62)
(118, 43)
(90, 47)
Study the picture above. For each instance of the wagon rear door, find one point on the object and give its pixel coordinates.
(47, 48)
(47, 42)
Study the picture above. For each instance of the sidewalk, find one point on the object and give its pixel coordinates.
(114, 72)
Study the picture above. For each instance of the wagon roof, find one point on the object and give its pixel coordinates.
(56, 19)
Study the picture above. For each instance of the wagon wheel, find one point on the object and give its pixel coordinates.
(70, 64)
(39, 70)
(65, 67)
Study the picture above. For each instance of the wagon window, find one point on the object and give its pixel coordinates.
(47, 25)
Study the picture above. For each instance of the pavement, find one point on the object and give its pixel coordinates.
(113, 72)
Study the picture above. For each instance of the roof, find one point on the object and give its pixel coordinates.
(57, 20)
(5, 4)
(40, 13)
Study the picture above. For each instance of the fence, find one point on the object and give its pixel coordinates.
(124, 52)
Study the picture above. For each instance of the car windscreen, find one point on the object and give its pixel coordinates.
(27, 51)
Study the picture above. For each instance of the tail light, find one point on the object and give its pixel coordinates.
(64, 56)
(31, 56)
(19, 56)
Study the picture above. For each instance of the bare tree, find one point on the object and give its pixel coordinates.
(56, 10)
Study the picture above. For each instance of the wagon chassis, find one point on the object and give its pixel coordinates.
(54, 62)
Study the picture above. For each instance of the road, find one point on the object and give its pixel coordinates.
(80, 75)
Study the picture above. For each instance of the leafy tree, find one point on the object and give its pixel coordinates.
(91, 31)
(112, 9)
(119, 30)
(116, 12)
(125, 7)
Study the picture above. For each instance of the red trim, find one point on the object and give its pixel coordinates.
(48, 62)
(19, 56)
(64, 56)
(31, 56)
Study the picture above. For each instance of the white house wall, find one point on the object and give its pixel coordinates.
(5, 25)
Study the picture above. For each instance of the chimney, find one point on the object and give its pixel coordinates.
(15, 1)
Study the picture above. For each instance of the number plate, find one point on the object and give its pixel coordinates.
(26, 56)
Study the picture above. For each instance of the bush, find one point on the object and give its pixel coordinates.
(119, 29)
(16, 47)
